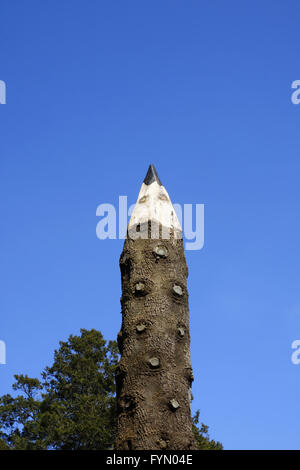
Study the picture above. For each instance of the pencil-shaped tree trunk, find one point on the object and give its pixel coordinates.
(154, 375)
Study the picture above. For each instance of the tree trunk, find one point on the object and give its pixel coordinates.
(154, 374)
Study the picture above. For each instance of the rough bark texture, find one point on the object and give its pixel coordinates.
(154, 374)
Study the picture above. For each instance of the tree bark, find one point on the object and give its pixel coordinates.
(154, 375)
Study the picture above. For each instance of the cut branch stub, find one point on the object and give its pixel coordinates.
(154, 362)
(174, 405)
(178, 290)
(162, 444)
(139, 288)
(180, 331)
(160, 251)
(141, 327)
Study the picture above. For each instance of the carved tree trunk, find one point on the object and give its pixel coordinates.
(154, 375)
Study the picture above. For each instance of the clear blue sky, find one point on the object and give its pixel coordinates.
(96, 91)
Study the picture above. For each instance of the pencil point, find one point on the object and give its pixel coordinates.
(152, 176)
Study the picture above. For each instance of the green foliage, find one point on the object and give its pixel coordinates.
(73, 406)
(3, 445)
(202, 437)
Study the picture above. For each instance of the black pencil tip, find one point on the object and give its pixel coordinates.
(152, 176)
